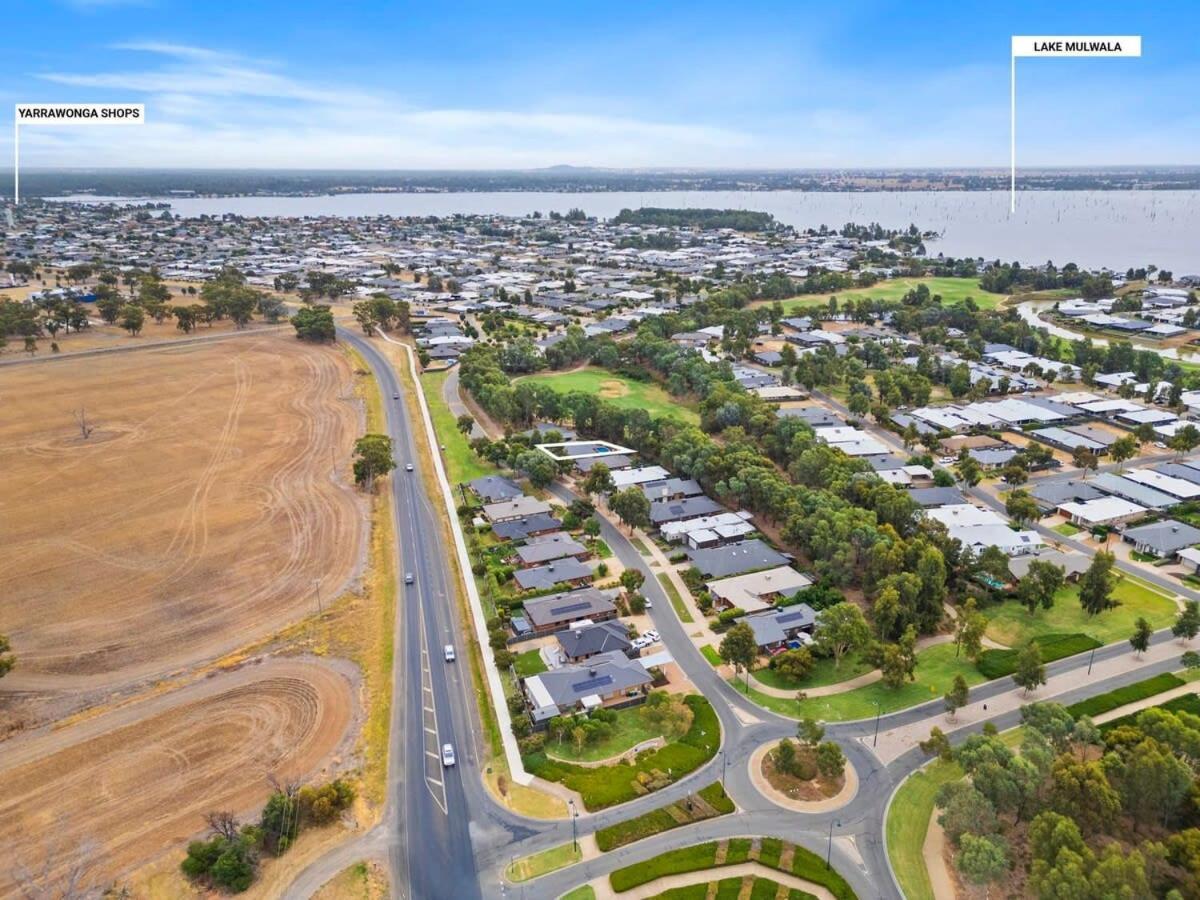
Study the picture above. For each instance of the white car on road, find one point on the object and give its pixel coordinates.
(448, 652)
(447, 755)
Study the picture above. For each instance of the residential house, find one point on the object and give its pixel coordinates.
(584, 640)
(1162, 539)
(756, 591)
(607, 679)
(546, 615)
(734, 559)
(563, 571)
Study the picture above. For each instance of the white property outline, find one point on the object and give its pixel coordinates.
(1133, 41)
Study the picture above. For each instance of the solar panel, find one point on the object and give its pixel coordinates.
(570, 608)
(585, 687)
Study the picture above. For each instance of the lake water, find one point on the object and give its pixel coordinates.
(1118, 229)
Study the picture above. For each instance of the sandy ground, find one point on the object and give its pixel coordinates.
(195, 519)
(137, 781)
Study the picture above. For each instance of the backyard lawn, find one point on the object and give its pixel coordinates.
(1011, 624)
(529, 663)
(952, 290)
(936, 668)
(618, 390)
(461, 462)
(908, 821)
(632, 727)
(1067, 529)
(822, 673)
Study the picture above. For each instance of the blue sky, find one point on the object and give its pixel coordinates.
(523, 84)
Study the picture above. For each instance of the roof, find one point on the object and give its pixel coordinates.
(1166, 536)
(515, 529)
(597, 637)
(687, 487)
(1131, 490)
(550, 547)
(1105, 509)
(495, 487)
(936, 496)
(1176, 487)
(747, 591)
(515, 508)
(553, 573)
(1072, 562)
(623, 478)
(1055, 493)
(772, 626)
(688, 508)
(568, 606)
(733, 559)
(602, 675)
(964, 514)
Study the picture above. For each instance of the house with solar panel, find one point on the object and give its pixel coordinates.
(607, 679)
(557, 612)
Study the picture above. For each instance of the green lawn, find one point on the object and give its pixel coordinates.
(908, 821)
(936, 668)
(606, 786)
(540, 863)
(1011, 624)
(677, 603)
(583, 892)
(461, 462)
(709, 652)
(529, 663)
(822, 673)
(618, 390)
(631, 728)
(1067, 529)
(952, 290)
(639, 546)
(1123, 696)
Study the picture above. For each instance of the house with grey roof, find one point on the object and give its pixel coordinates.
(515, 508)
(1162, 539)
(930, 497)
(773, 628)
(494, 488)
(585, 640)
(735, 559)
(673, 489)
(550, 547)
(561, 571)
(525, 527)
(1050, 495)
(555, 612)
(604, 680)
(664, 511)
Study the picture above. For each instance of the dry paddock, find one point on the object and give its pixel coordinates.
(196, 517)
(119, 789)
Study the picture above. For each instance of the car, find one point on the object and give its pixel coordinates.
(447, 755)
(652, 635)
(408, 467)
(1160, 445)
(395, 396)
(448, 652)
(408, 577)
(649, 605)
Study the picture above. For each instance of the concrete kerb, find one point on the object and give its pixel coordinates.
(499, 702)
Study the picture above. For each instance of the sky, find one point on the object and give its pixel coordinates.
(394, 85)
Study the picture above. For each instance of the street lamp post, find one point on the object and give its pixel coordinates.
(878, 714)
(574, 827)
(829, 846)
(724, 763)
(1091, 659)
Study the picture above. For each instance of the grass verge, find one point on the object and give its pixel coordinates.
(677, 603)
(1188, 703)
(995, 663)
(709, 652)
(1122, 696)
(908, 822)
(538, 864)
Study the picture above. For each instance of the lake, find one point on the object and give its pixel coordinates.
(1117, 229)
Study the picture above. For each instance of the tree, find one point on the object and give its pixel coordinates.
(315, 323)
(538, 468)
(899, 660)
(1140, 640)
(1185, 440)
(1085, 459)
(1081, 791)
(810, 732)
(1190, 660)
(1152, 781)
(598, 481)
(1096, 585)
(1187, 623)
(831, 762)
(1014, 474)
(1123, 449)
(969, 470)
(982, 860)
(956, 697)
(1022, 507)
(1040, 584)
(841, 629)
(632, 508)
(969, 630)
(465, 423)
(794, 664)
(937, 744)
(132, 319)
(739, 648)
(1030, 672)
(372, 457)
(964, 809)
(632, 579)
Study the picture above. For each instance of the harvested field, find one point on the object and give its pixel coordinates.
(128, 785)
(195, 519)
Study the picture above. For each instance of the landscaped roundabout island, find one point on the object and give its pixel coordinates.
(804, 776)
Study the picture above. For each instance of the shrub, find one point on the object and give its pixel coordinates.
(1130, 693)
(998, 663)
(322, 805)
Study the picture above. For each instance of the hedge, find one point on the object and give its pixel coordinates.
(606, 786)
(659, 820)
(1188, 703)
(1130, 693)
(805, 864)
(998, 663)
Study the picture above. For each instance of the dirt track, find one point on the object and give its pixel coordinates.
(137, 781)
(193, 520)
